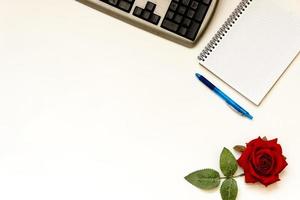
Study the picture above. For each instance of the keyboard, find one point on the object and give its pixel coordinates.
(181, 21)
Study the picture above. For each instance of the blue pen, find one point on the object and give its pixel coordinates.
(221, 94)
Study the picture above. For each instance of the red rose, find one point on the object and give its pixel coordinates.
(262, 161)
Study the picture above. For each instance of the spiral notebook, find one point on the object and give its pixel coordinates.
(254, 46)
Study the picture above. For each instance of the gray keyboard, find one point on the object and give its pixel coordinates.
(181, 21)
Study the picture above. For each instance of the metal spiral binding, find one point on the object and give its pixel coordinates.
(238, 11)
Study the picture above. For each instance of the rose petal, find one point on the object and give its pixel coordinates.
(255, 142)
(264, 162)
(243, 161)
(269, 180)
(280, 164)
(249, 178)
(274, 146)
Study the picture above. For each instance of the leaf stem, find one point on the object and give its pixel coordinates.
(237, 176)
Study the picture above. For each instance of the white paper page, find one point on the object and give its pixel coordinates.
(258, 48)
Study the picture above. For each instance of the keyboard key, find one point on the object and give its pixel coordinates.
(178, 19)
(193, 30)
(137, 11)
(194, 5)
(182, 31)
(123, 5)
(185, 2)
(190, 13)
(170, 14)
(146, 14)
(173, 6)
(200, 13)
(113, 2)
(150, 6)
(167, 24)
(186, 22)
(206, 1)
(181, 10)
(154, 19)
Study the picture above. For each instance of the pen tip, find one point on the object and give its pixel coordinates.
(197, 75)
(249, 116)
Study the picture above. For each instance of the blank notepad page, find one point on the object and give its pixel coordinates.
(255, 46)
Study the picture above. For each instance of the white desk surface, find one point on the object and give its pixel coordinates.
(93, 108)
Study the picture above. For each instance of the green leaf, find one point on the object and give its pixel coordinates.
(228, 163)
(229, 189)
(204, 179)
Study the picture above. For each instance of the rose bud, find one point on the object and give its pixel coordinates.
(262, 161)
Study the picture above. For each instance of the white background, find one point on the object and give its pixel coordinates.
(92, 108)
